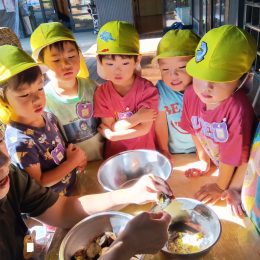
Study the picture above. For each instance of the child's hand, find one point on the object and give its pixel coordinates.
(167, 154)
(76, 156)
(146, 114)
(234, 202)
(148, 188)
(105, 131)
(199, 169)
(209, 193)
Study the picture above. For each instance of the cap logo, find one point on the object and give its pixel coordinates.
(201, 52)
(106, 36)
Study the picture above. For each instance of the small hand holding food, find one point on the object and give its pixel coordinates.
(234, 202)
(209, 193)
(148, 188)
(199, 169)
(146, 233)
(105, 131)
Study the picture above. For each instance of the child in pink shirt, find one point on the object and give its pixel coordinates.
(126, 103)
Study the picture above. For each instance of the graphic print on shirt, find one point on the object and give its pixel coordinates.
(210, 136)
(174, 111)
(124, 115)
(58, 154)
(84, 110)
(84, 126)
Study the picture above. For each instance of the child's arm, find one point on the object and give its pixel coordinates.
(139, 130)
(143, 115)
(162, 134)
(75, 158)
(204, 164)
(211, 193)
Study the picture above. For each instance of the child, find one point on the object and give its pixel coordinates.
(250, 202)
(175, 49)
(216, 111)
(69, 97)
(33, 139)
(126, 103)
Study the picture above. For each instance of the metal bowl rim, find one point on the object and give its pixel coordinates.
(206, 249)
(105, 213)
(128, 151)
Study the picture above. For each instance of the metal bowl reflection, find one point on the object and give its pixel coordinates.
(124, 169)
(90, 228)
(191, 217)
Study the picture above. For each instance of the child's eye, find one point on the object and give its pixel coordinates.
(71, 57)
(40, 89)
(182, 67)
(23, 96)
(125, 63)
(165, 69)
(109, 64)
(55, 60)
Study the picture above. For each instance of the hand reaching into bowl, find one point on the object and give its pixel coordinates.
(148, 188)
(139, 236)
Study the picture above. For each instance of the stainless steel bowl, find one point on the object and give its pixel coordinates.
(193, 216)
(90, 228)
(124, 169)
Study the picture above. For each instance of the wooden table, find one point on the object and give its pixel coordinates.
(239, 239)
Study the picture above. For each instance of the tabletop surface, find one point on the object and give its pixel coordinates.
(239, 239)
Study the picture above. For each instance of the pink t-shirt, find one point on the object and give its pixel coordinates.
(108, 103)
(224, 132)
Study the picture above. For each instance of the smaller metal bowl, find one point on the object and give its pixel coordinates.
(90, 228)
(192, 217)
(124, 169)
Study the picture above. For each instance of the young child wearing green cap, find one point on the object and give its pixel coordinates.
(216, 111)
(69, 94)
(126, 103)
(175, 49)
(34, 141)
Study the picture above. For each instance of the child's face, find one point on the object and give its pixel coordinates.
(119, 70)
(64, 65)
(27, 101)
(173, 72)
(4, 168)
(212, 93)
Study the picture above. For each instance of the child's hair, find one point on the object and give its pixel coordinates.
(58, 45)
(113, 56)
(25, 77)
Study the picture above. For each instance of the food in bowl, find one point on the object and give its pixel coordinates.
(185, 242)
(96, 248)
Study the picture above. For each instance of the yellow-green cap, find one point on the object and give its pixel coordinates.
(118, 37)
(13, 61)
(49, 33)
(177, 43)
(224, 54)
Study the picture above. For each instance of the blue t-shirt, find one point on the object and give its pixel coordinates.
(171, 102)
(29, 145)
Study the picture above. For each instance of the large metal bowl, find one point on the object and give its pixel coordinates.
(124, 169)
(90, 228)
(192, 215)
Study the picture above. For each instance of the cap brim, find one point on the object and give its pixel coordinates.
(35, 53)
(198, 71)
(167, 56)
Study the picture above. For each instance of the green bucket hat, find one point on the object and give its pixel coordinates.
(177, 43)
(224, 54)
(48, 33)
(118, 37)
(13, 61)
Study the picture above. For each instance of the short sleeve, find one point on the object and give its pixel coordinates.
(34, 199)
(240, 127)
(150, 96)
(185, 123)
(102, 106)
(21, 148)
